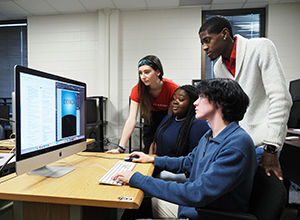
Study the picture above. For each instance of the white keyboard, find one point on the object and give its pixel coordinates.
(119, 167)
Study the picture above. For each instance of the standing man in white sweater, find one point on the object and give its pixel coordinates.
(255, 65)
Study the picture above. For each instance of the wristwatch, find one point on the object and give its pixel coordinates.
(270, 148)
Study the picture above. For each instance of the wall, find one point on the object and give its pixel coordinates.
(67, 45)
(284, 30)
(88, 46)
(103, 49)
(172, 35)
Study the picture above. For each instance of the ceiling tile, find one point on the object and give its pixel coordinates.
(162, 4)
(221, 2)
(92, 5)
(130, 4)
(36, 7)
(288, 1)
(67, 6)
(255, 5)
(226, 6)
(263, 1)
(13, 11)
(3, 17)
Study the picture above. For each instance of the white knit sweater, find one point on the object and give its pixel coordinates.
(260, 74)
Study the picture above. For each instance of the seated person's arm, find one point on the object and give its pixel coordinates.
(126, 175)
(152, 149)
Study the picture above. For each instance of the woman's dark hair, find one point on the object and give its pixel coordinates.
(182, 142)
(216, 24)
(144, 99)
(225, 93)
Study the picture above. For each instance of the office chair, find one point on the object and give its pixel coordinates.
(2, 133)
(267, 202)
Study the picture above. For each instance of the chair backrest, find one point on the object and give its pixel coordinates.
(2, 134)
(268, 197)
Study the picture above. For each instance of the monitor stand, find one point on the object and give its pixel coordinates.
(49, 171)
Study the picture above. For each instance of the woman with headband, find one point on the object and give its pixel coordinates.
(153, 96)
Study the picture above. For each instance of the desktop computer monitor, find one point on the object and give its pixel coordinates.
(295, 89)
(294, 118)
(195, 82)
(50, 114)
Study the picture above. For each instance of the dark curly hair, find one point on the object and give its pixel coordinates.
(216, 24)
(225, 93)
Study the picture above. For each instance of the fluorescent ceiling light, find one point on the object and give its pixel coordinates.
(194, 2)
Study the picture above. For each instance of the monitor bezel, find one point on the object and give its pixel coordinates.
(294, 84)
(21, 157)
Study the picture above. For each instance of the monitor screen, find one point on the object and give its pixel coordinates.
(195, 82)
(295, 89)
(50, 114)
(294, 118)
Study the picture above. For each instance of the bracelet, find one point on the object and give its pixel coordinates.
(120, 148)
(120, 151)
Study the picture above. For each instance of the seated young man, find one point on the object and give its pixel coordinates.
(221, 167)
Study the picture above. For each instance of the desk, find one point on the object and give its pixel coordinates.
(5, 148)
(56, 197)
(6, 145)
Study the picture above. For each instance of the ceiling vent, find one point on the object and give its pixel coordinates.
(194, 2)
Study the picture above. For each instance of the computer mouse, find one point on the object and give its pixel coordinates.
(129, 159)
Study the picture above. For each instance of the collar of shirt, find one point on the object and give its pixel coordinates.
(230, 64)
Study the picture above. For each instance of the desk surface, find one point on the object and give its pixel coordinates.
(295, 143)
(79, 187)
(6, 145)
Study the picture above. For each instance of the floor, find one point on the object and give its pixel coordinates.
(291, 213)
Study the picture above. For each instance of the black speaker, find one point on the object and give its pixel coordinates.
(93, 132)
(91, 111)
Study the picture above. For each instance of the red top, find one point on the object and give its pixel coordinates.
(161, 103)
(231, 63)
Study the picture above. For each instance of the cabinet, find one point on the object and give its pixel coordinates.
(96, 122)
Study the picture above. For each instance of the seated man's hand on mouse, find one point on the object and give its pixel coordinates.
(131, 158)
(143, 158)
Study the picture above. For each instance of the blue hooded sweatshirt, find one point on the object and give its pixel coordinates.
(221, 174)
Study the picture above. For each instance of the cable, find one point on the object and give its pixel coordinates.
(12, 138)
(115, 158)
(8, 159)
(9, 120)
